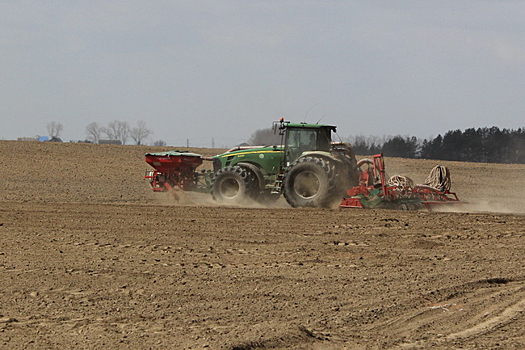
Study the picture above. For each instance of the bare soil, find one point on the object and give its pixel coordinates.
(91, 258)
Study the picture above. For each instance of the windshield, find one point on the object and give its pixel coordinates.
(301, 140)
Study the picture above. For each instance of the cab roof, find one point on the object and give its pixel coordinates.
(309, 126)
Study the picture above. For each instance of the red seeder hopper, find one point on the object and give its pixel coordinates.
(174, 169)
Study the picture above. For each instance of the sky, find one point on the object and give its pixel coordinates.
(209, 73)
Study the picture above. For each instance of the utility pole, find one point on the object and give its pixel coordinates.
(212, 143)
(188, 143)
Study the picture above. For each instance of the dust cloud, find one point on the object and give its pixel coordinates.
(188, 198)
(510, 203)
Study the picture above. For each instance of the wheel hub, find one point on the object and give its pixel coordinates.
(229, 188)
(306, 184)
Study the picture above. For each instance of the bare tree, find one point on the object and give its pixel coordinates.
(159, 143)
(140, 133)
(94, 131)
(117, 130)
(54, 129)
(264, 137)
(109, 133)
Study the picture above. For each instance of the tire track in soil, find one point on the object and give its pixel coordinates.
(456, 315)
(472, 310)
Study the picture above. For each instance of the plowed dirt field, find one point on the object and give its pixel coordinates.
(91, 258)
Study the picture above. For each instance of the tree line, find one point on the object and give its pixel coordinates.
(487, 145)
(116, 130)
(119, 131)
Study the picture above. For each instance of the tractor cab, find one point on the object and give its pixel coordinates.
(302, 137)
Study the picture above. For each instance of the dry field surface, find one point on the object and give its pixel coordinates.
(91, 258)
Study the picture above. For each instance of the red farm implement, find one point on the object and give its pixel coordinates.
(398, 192)
(175, 169)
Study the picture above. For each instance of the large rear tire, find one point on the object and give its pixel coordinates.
(233, 185)
(311, 182)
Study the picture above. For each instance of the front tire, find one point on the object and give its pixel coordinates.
(311, 182)
(233, 185)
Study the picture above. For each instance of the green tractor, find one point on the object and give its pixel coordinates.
(307, 168)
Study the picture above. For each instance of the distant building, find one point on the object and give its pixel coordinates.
(109, 142)
(34, 138)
